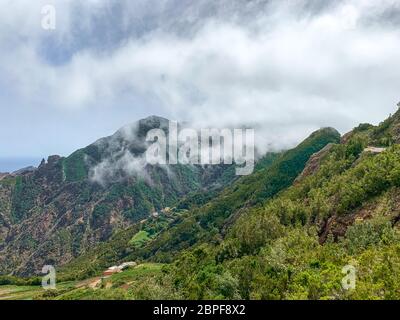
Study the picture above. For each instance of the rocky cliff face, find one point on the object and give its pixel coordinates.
(313, 164)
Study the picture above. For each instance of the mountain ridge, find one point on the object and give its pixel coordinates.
(57, 207)
(283, 232)
(342, 210)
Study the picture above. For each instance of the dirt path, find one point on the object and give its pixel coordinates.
(91, 283)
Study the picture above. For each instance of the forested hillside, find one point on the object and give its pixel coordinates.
(284, 232)
(66, 206)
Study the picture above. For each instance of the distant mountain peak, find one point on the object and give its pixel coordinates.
(153, 119)
(24, 170)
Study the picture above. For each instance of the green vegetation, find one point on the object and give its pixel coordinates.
(139, 239)
(75, 167)
(280, 245)
(286, 250)
(24, 195)
(11, 280)
(264, 236)
(161, 239)
(19, 292)
(205, 223)
(145, 281)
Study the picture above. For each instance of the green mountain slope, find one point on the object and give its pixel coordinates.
(68, 205)
(344, 212)
(207, 222)
(341, 212)
(288, 231)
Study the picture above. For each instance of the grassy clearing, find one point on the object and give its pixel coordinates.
(139, 239)
(19, 292)
(14, 292)
(117, 287)
(136, 273)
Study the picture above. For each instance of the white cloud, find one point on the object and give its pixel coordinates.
(289, 73)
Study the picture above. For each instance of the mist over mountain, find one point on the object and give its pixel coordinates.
(90, 194)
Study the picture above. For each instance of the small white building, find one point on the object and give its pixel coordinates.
(112, 270)
(126, 265)
(117, 269)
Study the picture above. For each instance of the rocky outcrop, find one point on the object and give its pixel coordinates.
(387, 204)
(313, 164)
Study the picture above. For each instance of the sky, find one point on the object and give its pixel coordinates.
(285, 67)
